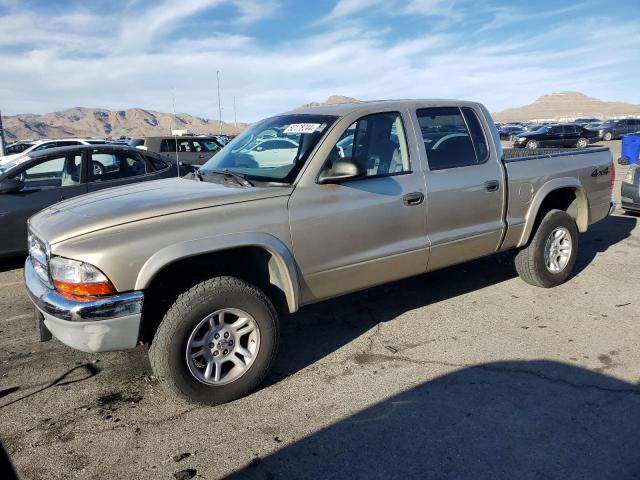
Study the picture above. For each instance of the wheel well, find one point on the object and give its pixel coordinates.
(561, 199)
(567, 199)
(254, 265)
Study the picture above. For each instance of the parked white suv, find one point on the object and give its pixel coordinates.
(43, 145)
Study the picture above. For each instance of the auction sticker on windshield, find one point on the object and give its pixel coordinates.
(302, 128)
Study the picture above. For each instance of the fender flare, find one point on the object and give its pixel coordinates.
(283, 262)
(582, 219)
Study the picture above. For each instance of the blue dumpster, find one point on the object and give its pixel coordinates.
(630, 148)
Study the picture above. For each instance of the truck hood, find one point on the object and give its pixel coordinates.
(116, 206)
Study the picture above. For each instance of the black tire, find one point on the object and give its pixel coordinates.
(582, 143)
(607, 137)
(167, 352)
(530, 260)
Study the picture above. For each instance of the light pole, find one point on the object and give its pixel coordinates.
(2, 144)
(219, 105)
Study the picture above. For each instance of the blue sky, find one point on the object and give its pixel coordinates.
(277, 54)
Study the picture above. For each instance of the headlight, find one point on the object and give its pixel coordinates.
(521, 139)
(39, 257)
(78, 278)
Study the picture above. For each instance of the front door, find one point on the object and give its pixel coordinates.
(465, 186)
(554, 138)
(53, 179)
(359, 233)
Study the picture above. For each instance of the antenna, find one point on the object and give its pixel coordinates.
(2, 142)
(235, 117)
(219, 105)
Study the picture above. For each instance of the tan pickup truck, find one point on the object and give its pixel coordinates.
(350, 196)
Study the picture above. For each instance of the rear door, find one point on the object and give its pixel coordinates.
(465, 185)
(571, 133)
(51, 180)
(112, 168)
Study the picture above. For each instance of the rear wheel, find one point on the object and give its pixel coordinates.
(216, 342)
(532, 144)
(582, 142)
(607, 136)
(551, 254)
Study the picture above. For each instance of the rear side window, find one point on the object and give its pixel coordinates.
(447, 139)
(477, 134)
(115, 166)
(157, 163)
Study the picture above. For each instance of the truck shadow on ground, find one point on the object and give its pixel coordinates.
(519, 419)
(329, 325)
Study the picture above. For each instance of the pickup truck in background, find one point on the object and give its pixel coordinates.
(201, 267)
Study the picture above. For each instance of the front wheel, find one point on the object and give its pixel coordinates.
(582, 142)
(607, 136)
(549, 258)
(217, 341)
(532, 144)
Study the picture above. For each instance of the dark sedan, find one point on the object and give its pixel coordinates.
(566, 135)
(33, 182)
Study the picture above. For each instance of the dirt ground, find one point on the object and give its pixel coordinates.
(463, 373)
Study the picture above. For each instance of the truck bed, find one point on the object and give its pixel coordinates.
(530, 171)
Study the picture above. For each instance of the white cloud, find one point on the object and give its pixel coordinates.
(89, 66)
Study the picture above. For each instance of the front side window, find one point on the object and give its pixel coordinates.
(447, 139)
(62, 171)
(115, 166)
(377, 143)
(296, 137)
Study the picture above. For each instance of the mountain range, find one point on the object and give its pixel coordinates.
(88, 122)
(567, 105)
(137, 122)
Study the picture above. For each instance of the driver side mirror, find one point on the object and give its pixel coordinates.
(11, 185)
(342, 169)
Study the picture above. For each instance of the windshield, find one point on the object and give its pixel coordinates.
(4, 168)
(272, 150)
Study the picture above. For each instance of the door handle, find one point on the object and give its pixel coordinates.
(414, 198)
(492, 185)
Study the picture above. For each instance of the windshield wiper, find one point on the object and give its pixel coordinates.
(239, 179)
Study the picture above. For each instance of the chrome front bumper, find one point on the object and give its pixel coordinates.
(96, 325)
